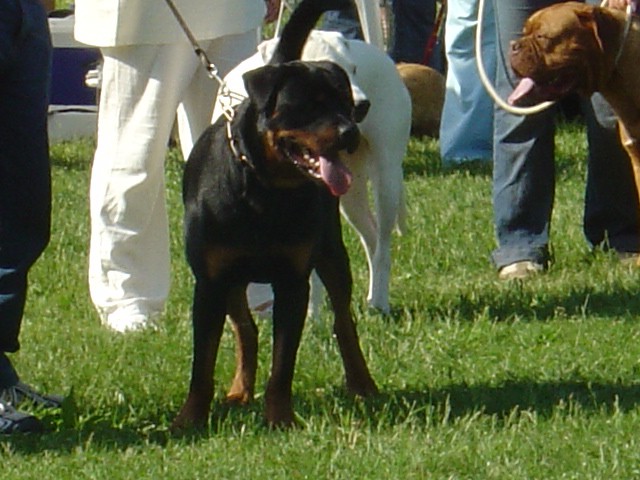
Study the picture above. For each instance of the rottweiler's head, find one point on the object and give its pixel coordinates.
(567, 47)
(306, 116)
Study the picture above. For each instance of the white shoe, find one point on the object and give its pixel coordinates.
(520, 270)
(123, 322)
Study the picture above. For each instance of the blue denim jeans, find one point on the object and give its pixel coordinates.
(466, 127)
(25, 186)
(524, 173)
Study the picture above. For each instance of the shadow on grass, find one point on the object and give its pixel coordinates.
(544, 399)
(527, 303)
(118, 432)
(505, 402)
(426, 408)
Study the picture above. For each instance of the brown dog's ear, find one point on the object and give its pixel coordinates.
(606, 29)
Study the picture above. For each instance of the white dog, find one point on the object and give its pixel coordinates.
(384, 137)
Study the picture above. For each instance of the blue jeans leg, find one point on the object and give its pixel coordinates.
(466, 128)
(523, 170)
(25, 190)
(611, 217)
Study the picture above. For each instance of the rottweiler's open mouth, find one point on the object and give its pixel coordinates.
(326, 167)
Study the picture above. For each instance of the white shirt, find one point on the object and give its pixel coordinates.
(113, 23)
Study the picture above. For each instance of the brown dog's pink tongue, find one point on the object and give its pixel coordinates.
(335, 175)
(522, 89)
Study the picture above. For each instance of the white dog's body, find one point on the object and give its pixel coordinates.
(384, 138)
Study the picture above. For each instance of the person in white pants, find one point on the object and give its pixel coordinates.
(150, 71)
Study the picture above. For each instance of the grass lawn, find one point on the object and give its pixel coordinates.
(479, 378)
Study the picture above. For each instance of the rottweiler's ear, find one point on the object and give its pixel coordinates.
(260, 84)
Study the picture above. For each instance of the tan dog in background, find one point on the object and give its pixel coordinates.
(573, 47)
(426, 88)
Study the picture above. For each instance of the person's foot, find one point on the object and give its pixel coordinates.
(21, 393)
(125, 321)
(520, 270)
(13, 421)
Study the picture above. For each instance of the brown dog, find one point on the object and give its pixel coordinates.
(426, 89)
(573, 47)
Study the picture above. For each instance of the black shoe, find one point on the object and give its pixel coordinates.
(21, 393)
(13, 421)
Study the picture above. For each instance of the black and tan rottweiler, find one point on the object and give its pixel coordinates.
(261, 205)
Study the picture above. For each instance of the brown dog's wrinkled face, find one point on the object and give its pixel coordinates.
(306, 117)
(562, 50)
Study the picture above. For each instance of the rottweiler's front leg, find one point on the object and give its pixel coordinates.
(246, 335)
(335, 273)
(209, 311)
(289, 311)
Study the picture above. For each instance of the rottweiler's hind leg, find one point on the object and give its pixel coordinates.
(246, 336)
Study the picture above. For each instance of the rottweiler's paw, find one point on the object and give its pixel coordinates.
(279, 414)
(282, 422)
(182, 425)
(363, 387)
(188, 419)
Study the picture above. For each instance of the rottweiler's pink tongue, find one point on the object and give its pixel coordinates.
(522, 90)
(335, 175)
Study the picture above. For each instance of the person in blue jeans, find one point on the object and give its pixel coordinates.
(466, 126)
(25, 192)
(524, 176)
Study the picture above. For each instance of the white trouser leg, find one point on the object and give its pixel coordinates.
(194, 112)
(129, 249)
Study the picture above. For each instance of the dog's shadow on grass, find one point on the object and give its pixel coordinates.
(430, 407)
(427, 408)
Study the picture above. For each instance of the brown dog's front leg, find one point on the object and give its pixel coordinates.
(208, 321)
(246, 335)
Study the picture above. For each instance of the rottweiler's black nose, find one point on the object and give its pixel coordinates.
(348, 137)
